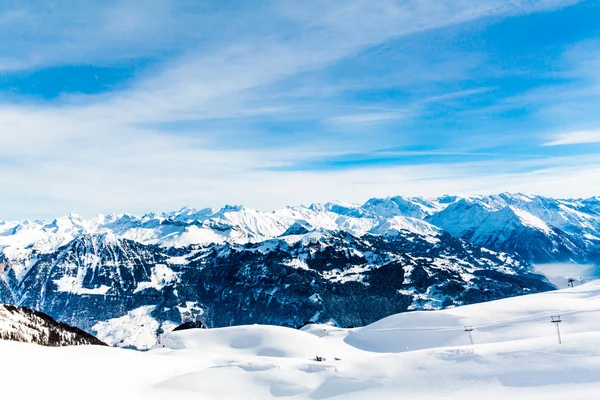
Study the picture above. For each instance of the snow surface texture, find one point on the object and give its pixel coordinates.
(417, 355)
(136, 329)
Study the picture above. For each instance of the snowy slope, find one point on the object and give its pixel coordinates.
(420, 355)
(24, 325)
(136, 329)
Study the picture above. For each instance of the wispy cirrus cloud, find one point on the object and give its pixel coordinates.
(364, 118)
(577, 137)
(235, 92)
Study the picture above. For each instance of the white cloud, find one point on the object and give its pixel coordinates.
(364, 118)
(163, 184)
(577, 137)
(89, 154)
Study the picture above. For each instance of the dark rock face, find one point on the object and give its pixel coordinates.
(190, 325)
(332, 277)
(24, 325)
(298, 228)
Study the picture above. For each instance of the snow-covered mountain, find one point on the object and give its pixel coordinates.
(568, 220)
(24, 325)
(341, 262)
(561, 221)
(511, 229)
(121, 289)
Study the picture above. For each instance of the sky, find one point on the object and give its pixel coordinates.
(138, 106)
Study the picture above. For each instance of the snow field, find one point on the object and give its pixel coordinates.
(417, 355)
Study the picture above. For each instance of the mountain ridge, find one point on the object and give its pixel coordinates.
(239, 224)
(22, 324)
(335, 262)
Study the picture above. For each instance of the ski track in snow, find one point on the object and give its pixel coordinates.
(417, 355)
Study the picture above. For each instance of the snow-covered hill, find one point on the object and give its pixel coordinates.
(416, 355)
(25, 325)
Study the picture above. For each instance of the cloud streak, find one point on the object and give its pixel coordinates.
(578, 137)
(255, 89)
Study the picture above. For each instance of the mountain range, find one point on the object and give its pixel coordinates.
(127, 278)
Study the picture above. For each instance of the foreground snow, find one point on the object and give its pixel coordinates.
(420, 355)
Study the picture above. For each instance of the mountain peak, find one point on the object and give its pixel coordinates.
(232, 208)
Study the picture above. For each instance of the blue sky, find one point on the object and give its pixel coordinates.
(123, 106)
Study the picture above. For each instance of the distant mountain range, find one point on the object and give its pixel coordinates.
(127, 278)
